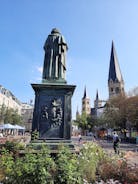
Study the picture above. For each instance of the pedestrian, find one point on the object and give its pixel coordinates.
(79, 137)
(116, 142)
(1, 134)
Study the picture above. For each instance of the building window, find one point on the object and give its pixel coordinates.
(112, 89)
(83, 109)
(117, 90)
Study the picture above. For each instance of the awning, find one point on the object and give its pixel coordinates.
(10, 126)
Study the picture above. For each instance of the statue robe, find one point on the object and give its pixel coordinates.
(55, 57)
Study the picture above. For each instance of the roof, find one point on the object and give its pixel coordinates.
(10, 126)
(97, 95)
(114, 68)
(85, 95)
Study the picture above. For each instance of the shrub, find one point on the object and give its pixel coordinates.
(118, 169)
(89, 157)
(36, 168)
(67, 167)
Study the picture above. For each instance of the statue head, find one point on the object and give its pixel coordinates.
(55, 31)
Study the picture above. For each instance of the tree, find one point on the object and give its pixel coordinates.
(2, 113)
(132, 111)
(121, 109)
(84, 122)
(9, 115)
(111, 118)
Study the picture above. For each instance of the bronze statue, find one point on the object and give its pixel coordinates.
(55, 57)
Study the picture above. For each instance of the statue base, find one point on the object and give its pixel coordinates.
(52, 145)
(52, 115)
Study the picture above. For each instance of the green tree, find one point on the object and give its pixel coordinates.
(132, 111)
(9, 115)
(2, 113)
(111, 118)
(84, 122)
(121, 109)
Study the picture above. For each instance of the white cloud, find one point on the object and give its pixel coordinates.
(40, 69)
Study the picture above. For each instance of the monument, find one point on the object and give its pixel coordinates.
(52, 110)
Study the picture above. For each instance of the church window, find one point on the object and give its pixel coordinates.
(117, 90)
(83, 109)
(112, 89)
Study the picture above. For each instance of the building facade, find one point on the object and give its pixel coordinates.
(27, 115)
(8, 100)
(99, 106)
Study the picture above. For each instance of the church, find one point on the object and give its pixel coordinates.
(115, 88)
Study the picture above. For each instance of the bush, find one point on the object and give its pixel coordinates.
(39, 167)
(118, 169)
(36, 168)
(67, 167)
(89, 157)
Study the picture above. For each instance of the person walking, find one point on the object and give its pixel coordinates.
(116, 142)
(80, 138)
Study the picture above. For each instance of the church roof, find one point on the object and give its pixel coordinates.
(97, 95)
(85, 95)
(114, 69)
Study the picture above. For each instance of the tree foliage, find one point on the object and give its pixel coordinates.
(121, 109)
(9, 115)
(85, 122)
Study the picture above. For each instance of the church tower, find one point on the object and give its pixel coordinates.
(86, 103)
(77, 113)
(97, 101)
(115, 79)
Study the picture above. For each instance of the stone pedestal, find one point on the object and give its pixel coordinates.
(52, 111)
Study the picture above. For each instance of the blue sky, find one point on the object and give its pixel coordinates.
(89, 26)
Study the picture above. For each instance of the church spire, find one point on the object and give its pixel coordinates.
(85, 95)
(97, 95)
(86, 103)
(115, 79)
(77, 113)
(114, 69)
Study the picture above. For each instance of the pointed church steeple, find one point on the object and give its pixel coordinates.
(85, 95)
(114, 69)
(97, 101)
(97, 96)
(115, 79)
(77, 113)
(86, 103)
